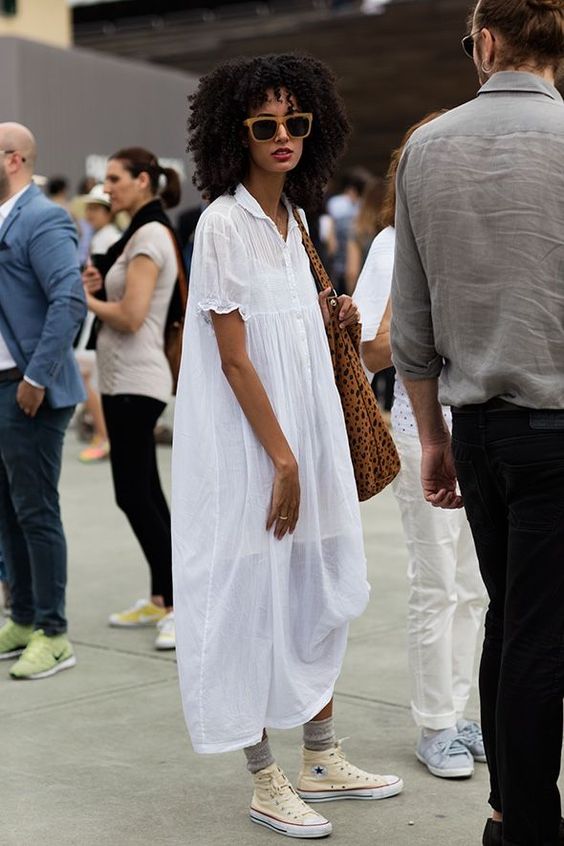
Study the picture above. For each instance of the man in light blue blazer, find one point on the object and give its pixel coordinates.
(41, 308)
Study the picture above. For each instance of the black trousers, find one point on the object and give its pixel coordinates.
(383, 387)
(510, 466)
(130, 420)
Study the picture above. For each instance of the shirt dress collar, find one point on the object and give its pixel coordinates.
(246, 200)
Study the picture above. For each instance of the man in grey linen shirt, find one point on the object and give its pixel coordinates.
(478, 318)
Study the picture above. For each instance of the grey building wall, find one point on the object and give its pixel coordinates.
(83, 105)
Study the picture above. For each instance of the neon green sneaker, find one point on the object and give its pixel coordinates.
(44, 656)
(14, 639)
(142, 613)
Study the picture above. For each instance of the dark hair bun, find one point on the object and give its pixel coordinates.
(533, 30)
(547, 5)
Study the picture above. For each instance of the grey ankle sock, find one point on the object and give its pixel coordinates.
(258, 756)
(319, 735)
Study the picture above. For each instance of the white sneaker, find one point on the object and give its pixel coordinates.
(445, 755)
(166, 638)
(276, 805)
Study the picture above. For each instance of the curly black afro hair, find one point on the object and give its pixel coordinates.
(222, 101)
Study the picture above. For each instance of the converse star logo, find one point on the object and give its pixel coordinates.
(318, 771)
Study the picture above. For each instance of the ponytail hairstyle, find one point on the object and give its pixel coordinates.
(165, 182)
(533, 30)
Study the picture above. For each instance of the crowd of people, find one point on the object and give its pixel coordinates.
(453, 265)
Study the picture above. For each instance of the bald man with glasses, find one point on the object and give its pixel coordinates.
(41, 308)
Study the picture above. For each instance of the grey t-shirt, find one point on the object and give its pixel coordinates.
(135, 362)
(478, 289)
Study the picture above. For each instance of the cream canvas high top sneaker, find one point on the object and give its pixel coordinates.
(276, 805)
(328, 775)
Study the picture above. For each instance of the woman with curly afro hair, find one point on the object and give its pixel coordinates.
(269, 564)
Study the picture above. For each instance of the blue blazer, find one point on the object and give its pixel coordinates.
(42, 302)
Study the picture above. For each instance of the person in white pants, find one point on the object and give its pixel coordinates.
(447, 597)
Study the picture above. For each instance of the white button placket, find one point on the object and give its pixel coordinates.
(299, 319)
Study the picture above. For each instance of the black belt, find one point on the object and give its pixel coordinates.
(493, 404)
(13, 374)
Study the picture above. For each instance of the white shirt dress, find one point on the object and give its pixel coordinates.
(261, 624)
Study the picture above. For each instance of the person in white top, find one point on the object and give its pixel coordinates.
(98, 213)
(139, 276)
(268, 557)
(447, 597)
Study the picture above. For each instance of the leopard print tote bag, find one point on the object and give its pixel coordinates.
(374, 456)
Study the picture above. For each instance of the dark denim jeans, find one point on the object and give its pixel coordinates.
(510, 467)
(31, 532)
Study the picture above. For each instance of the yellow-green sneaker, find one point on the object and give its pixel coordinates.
(14, 639)
(142, 613)
(44, 656)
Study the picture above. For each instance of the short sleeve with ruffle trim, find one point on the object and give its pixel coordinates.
(222, 285)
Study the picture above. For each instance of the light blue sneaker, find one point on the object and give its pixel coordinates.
(470, 734)
(444, 754)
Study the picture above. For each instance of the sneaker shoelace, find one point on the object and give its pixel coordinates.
(471, 732)
(38, 647)
(452, 747)
(285, 797)
(351, 769)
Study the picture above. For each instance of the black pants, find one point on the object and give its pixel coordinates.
(130, 420)
(383, 387)
(510, 466)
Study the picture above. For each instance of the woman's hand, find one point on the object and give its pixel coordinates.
(128, 314)
(92, 279)
(285, 503)
(347, 309)
(238, 369)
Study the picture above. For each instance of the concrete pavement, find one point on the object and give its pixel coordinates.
(99, 755)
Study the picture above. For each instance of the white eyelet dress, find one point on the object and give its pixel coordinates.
(261, 624)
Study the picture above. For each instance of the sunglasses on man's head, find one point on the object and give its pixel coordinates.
(262, 128)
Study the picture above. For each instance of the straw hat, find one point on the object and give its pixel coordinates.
(98, 195)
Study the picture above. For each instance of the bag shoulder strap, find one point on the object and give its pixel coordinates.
(182, 280)
(320, 275)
